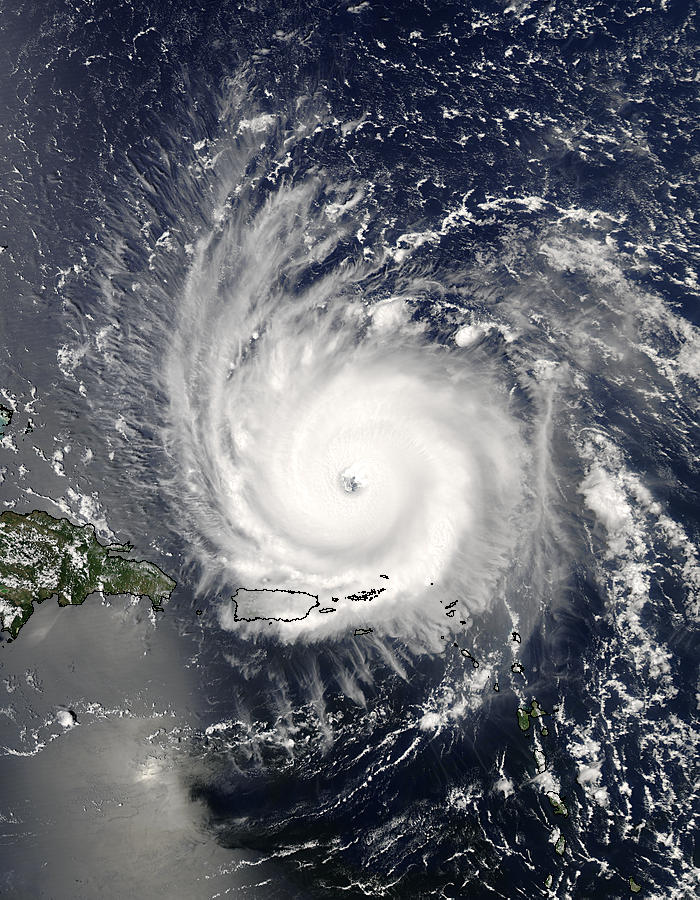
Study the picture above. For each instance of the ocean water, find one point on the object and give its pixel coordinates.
(387, 310)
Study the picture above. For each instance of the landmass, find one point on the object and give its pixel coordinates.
(467, 655)
(42, 557)
(534, 712)
(560, 808)
(278, 604)
(284, 605)
(365, 595)
(5, 418)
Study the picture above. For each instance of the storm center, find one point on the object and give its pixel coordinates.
(353, 479)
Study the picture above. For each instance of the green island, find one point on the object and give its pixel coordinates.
(41, 556)
(560, 808)
(524, 715)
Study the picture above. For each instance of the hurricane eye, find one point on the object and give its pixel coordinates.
(353, 480)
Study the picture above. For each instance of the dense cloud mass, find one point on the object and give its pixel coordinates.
(324, 444)
(375, 326)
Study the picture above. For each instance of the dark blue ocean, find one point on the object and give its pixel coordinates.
(522, 178)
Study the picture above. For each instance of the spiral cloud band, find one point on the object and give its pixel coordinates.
(338, 469)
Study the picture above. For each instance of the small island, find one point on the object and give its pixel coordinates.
(42, 557)
(5, 418)
(534, 712)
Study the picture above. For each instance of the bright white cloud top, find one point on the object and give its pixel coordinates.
(325, 445)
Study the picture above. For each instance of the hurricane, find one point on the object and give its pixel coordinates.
(324, 446)
(374, 328)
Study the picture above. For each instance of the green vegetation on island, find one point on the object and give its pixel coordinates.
(41, 556)
(558, 804)
(523, 719)
(534, 712)
(634, 887)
